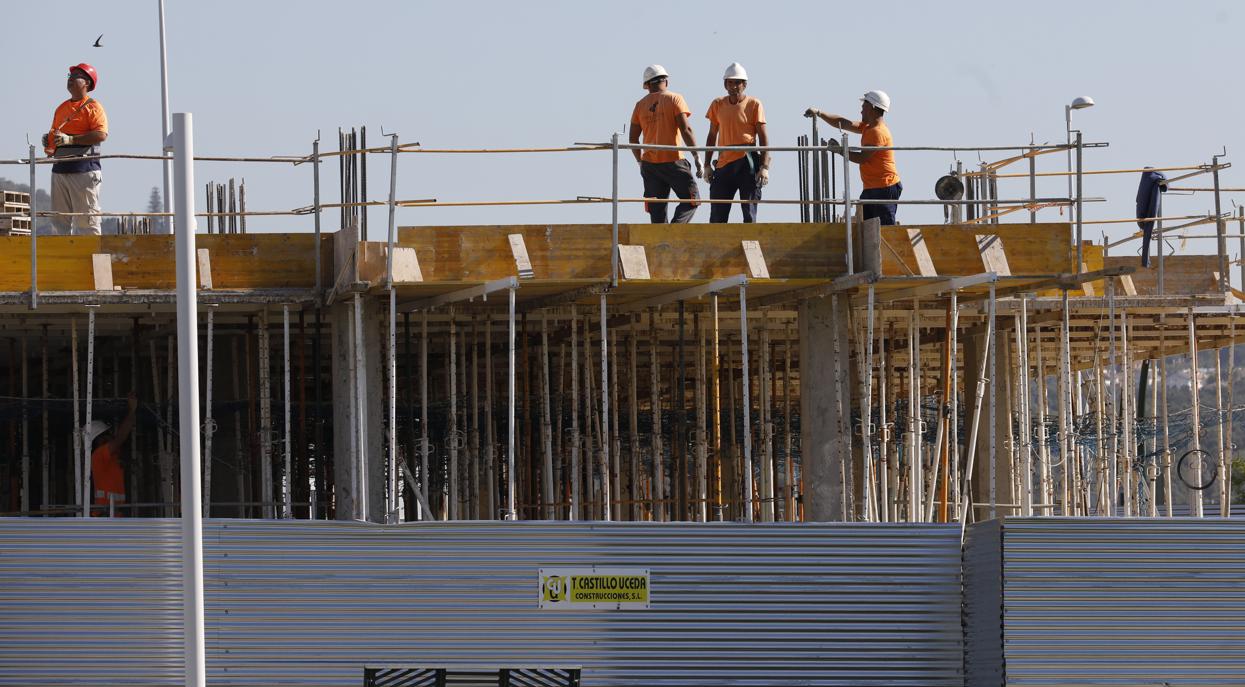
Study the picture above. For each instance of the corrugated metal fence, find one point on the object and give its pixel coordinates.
(310, 603)
(1142, 603)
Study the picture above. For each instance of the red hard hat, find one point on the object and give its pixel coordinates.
(90, 71)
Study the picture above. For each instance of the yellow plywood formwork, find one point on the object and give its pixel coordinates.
(239, 261)
(1031, 248)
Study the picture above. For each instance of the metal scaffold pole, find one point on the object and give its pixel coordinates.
(188, 406)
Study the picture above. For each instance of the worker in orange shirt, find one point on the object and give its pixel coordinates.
(662, 116)
(736, 120)
(78, 127)
(878, 173)
(106, 470)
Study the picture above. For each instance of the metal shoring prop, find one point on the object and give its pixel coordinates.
(658, 485)
(490, 452)
(1195, 495)
(360, 416)
(209, 427)
(1107, 498)
(25, 459)
(915, 482)
(391, 493)
(747, 402)
(606, 463)
(512, 512)
(953, 460)
(265, 415)
(45, 452)
(1065, 423)
(976, 424)
(1221, 447)
(1163, 425)
(576, 509)
(1226, 499)
(992, 344)
(1126, 415)
(287, 465)
(866, 413)
(1026, 428)
(451, 486)
(87, 495)
(1045, 490)
(717, 415)
(545, 425)
(633, 416)
(425, 482)
(884, 471)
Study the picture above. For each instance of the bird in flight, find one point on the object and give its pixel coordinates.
(97, 41)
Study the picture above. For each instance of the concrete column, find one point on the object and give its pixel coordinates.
(821, 437)
(341, 322)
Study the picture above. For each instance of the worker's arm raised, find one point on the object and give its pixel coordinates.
(836, 121)
(126, 426)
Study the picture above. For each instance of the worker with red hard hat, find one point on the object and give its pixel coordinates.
(78, 127)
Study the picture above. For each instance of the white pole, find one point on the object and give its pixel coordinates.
(164, 118)
(188, 386)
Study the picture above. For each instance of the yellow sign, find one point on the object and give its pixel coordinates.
(594, 588)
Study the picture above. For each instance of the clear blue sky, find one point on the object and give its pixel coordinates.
(262, 77)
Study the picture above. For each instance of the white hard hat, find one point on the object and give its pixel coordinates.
(94, 429)
(652, 72)
(878, 99)
(735, 71)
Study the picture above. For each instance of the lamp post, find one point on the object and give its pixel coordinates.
(1078, 103)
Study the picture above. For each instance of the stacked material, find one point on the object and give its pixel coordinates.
(14, 202)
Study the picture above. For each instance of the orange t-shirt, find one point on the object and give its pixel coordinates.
(108, 475)
(879, 170)
(737, 124)
(657, 115)
(91, 118)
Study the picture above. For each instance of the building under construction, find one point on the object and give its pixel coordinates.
(823, 371)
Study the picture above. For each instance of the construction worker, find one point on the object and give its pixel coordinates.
(662, 117)
(78, 127)
(106, 470)
(877, 167)
(736, 120)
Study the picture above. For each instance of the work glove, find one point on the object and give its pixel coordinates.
(62, 139)
(812, 112)
(762, 177)
(707, 173)
(44, 139)
(835, 147)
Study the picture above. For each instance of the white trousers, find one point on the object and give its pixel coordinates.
(78, 192)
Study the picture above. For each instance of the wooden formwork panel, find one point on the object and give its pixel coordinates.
(239, 261)
(572, 252)
(1183, 275)
(1031, 248)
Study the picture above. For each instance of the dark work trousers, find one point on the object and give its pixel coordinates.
(884, 212)
(740, 176)
(662, 177)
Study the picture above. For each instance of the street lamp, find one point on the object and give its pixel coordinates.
(1078, 103)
